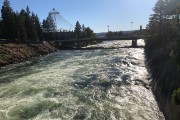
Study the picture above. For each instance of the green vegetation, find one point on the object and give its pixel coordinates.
(25, 27)
(162, 37)
(163, 54)
(176, 96)
(19, 27)
(49, 24)
(82, 31)
(77, 30)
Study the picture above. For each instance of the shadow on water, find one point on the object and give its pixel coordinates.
(35, 65)
(11, 73)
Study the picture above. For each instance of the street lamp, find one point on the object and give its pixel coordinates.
(108, 28)
(108, 31)
(132, 26)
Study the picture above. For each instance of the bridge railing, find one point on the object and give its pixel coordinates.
(125, 37)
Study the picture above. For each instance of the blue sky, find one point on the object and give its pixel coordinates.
(97, 14)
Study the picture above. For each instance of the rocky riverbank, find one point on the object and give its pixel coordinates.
(12, 53)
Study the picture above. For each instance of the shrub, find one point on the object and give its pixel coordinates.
(176, 96)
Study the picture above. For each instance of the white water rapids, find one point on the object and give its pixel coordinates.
(101, 84)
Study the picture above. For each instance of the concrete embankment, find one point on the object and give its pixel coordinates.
(12, 53)
(165, 79)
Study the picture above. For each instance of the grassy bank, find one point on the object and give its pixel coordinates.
(12, 53)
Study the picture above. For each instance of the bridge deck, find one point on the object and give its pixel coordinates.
(133, 37)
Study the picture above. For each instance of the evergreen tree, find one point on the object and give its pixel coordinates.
(163, 54)
(83, 27)
(31, 31)
(49, 28)
(38, 26)
(44, 26)
(21, 31)
(161, 38)
(1, 34)
(77, 29)
(8, 21)
(83, 32)
(89, 32)
(159, 29)
(49, 24)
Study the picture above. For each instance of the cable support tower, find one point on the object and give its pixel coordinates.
(60, 22)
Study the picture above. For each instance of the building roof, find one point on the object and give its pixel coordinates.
(172, 7)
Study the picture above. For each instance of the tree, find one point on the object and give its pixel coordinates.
(77, 29)
(49, 24)
(49, 28)
(44, 26)
(8, 21)
(32, 34)
(83, 32)
(156, 20)
(162, 54)
(89, 32)
(162, 43)
(38, 26)
(21, 30)
(160, 32)
(83, 27)
(1, 35)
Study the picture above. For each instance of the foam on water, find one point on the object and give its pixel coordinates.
(90, 84)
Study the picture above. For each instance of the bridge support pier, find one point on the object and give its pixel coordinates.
(134, 43)
(78, 45)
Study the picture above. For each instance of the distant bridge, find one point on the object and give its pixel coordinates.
(78, 42)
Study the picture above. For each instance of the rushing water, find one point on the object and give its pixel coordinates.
(103, 84)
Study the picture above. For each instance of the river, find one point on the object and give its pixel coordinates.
(99, 84)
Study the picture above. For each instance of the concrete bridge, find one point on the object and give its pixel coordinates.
(83, 42)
